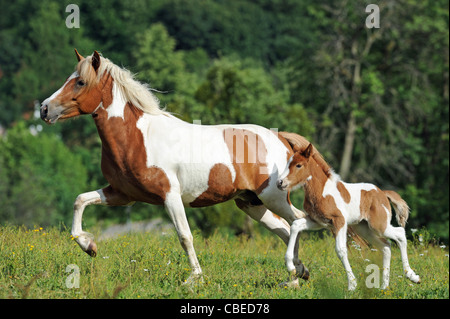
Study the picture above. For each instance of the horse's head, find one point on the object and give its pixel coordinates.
(297, 171)
(80, 94)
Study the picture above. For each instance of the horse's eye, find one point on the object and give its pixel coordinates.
(298, 166)
(81, 83)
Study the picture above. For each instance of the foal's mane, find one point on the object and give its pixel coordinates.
(135, 92)
(295, 139)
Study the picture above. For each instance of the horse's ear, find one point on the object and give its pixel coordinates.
(79, 56)
(95, 61)
(308, 151)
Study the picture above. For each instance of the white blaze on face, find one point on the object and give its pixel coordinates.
(286, 170)
(54, 95)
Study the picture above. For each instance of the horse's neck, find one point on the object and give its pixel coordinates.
(315, 184)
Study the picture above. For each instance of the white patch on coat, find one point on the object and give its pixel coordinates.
(117, 107)
(186, 152)
(350, 211)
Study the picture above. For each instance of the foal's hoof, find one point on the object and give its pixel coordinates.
(303, 271)
(193, 281)
(92, 249)
(290, 284)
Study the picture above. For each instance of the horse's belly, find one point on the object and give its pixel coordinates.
(205, 186)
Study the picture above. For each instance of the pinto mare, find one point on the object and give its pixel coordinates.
(148, 155)
(331, 203)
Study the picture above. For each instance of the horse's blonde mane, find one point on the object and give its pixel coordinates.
(135, 92)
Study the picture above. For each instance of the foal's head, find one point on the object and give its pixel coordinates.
(80, 94)
(297, 172)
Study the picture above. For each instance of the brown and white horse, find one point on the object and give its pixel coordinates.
(148, 155)
(331, 203)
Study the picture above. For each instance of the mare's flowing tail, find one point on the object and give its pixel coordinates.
(401, 207)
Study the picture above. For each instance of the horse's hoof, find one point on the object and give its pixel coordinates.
(303, 271)
(305, 275)
(92, 249)
(290, 284)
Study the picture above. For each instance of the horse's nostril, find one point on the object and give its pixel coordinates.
(44, 111)
(280, 183)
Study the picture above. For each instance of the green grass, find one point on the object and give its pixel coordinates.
(33, 265)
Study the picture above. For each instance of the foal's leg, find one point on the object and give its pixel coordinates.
(398, 235)
(382, 244)
(277, 201)
(341, 250)
(297, 226)
(104, 196)
(276, 225)
(175, 209)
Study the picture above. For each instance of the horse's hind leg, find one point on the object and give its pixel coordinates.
(398, 235)
(106, 196)
(277, 225)
(341, 250)
(381, 243)
(175, 209)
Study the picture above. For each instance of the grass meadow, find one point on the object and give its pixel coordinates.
(44, 263)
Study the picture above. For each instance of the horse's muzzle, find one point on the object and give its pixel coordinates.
(44, 112)
(280, 185)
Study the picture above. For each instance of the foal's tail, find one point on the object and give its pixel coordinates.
(401, 207)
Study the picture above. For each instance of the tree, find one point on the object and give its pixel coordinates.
(45, 52)
(40, 178)
(380, 98)
(156, 59)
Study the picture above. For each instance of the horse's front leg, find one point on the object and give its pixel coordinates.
(175, 209)
(297, 226)
(104, 196)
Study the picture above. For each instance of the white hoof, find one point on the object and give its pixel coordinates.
(411, 275)
(86, 242)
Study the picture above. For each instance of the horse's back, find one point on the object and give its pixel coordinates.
(213, 163)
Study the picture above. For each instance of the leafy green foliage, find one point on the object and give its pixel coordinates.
(375, 102)
(40, 178)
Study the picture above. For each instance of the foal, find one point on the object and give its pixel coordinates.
(331, 203)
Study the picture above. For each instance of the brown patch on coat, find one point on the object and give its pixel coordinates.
(371, 207)
(344, 192)
(124, 158)
(248, 155)
(220, 187)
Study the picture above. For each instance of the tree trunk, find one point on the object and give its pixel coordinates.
(346, 160)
